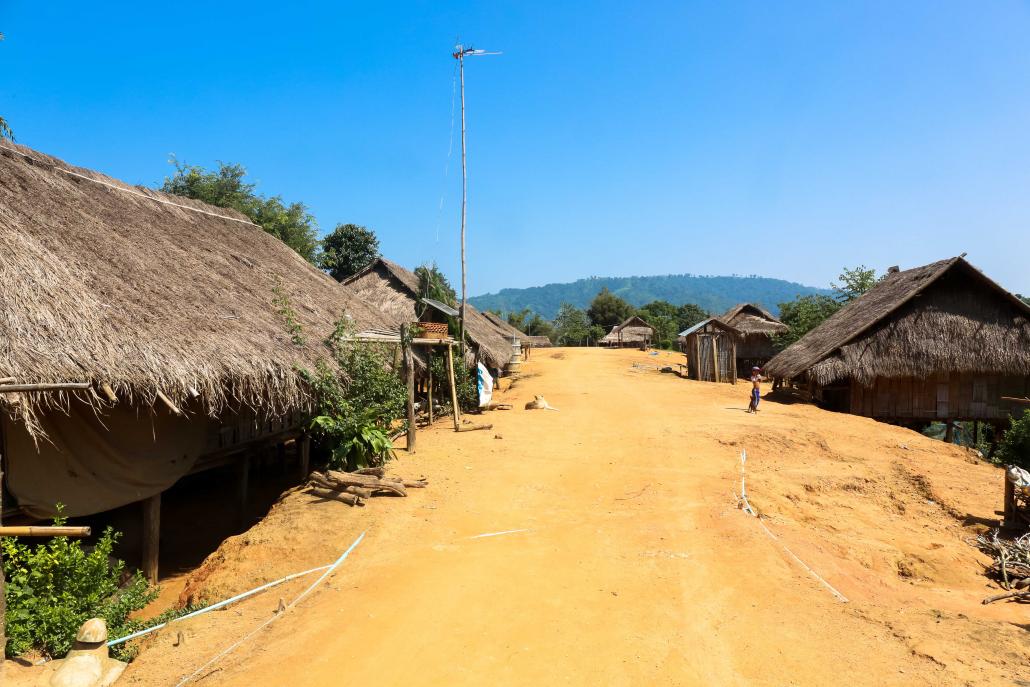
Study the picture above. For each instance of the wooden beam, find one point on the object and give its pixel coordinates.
(715, 356)
(43, 531)
(58, 386)
(168, 402)
(409, 378)
(151, 537)
(429, 386)
(109, 392)
(454, 391)
(304, 451)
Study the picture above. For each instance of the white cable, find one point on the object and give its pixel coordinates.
(268, 622)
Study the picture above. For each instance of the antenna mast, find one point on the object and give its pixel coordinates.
(460, 53)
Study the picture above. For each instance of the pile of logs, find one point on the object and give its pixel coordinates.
(353, 488)
(1011, 565)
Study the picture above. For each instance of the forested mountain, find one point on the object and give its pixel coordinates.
(715, 294)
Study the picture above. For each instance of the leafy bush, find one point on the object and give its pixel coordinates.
(1014, 447)
(464, 380)
(358, 402)
(54, 587)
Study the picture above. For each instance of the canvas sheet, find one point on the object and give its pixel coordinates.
(92, 464)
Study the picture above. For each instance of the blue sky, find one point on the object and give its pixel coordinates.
(611, 138)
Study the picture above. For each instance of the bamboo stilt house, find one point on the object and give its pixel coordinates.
(395, 291)
(757, 327)
(634, 332)
(165, 324)
(938, 342)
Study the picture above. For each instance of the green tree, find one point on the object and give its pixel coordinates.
(853, 283)
(1014, 447)
(432, 283)
(1025, 299)
(608, 310)
(347, 249)
(571, 326)
(663, 316)
(689, 314)
(802, 315)
(538, 326)
(290, 223)
(5, 130)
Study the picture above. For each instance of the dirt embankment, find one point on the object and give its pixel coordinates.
(626, 560)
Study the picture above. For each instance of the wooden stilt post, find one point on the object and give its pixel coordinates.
(1010, 503)
(409, 375)
(151, 537)
(429, 385)
(243, 487)
(949, 431)
(304, 451)
(454, 388)
(715, 357)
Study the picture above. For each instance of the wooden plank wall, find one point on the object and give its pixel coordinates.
(944, 397)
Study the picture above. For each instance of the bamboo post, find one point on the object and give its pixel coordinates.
(409, 378)
(429, 385)
(733, 359)
(304, 451)
(454, 389)
(43, 531)
(151, 536)
(1010, 503)
(715, 356)
(243, 487)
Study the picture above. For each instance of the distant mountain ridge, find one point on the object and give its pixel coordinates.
(713, 293)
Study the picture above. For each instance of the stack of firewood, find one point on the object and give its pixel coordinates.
(354, 487)
(1011, 565)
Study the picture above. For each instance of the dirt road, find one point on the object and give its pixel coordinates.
(626, 561)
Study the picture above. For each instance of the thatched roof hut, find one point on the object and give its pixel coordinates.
(633, 332)
(183, 325)
(395, 291)
(537, 341)
(711, 350)
(108, 283)
(757, 327)
(941, 340)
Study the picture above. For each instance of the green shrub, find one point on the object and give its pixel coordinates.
(464, 380)
(1014, 447)
(358, 402)
(54, 587)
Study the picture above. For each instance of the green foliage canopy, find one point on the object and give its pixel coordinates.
(853, 283)
(571, 326)
(608, 310)
(802, 315)
(290, 223)
(1014, 447)
(347, 249)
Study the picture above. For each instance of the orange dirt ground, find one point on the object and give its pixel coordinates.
(636, 566)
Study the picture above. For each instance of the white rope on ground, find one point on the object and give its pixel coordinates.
(126, 190)
(215, 607)
(496, 534)
(232, 647)
(748, 509)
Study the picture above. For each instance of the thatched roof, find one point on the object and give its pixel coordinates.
(395, 290)
(537, 341)
(104, 282)
(751, 319)
(715, 322)
(940, 318)
(632, 330)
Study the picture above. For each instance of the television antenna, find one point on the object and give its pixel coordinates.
(460, 53)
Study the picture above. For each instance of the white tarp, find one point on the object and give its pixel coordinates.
(485, 384)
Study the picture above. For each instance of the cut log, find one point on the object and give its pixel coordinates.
(359, 491)
(473, 428)
(349, 499)
(341, 480)
(378, 472)
(1006, 595)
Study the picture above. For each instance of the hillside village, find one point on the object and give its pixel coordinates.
(238, 449)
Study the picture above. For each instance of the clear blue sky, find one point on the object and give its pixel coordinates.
(612, 138)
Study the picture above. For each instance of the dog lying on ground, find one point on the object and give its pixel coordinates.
(539, 403)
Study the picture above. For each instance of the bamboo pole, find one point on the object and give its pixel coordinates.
(43, 531)
(151, 536)
(57, 386)
(429, 387)
(454, 389)
(168, 402)
(409, 374)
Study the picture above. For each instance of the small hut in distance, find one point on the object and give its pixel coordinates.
(757, 327)
(711, 349)
(634, 332)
